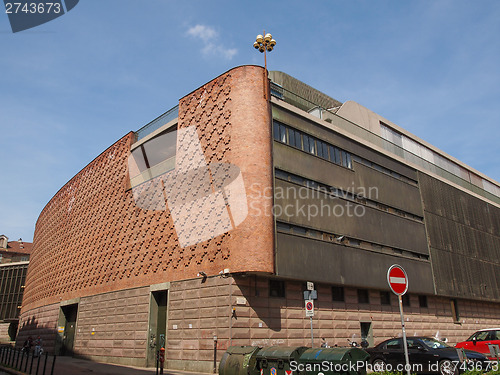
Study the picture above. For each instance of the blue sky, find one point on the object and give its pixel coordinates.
(73, 86)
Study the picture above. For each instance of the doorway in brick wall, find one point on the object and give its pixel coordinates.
(67, 328)
(157, 324)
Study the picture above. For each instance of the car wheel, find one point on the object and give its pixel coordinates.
(447, 367)
(379, 365)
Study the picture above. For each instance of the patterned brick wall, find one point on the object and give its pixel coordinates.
(91, 238)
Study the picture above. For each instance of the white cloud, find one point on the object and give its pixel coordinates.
(211, 43)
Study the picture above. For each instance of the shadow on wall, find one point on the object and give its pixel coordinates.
(31, 329)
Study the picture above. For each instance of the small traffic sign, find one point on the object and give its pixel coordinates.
(397, 279)
(309, 307)
(310, 285)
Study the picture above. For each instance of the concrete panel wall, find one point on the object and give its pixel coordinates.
(345, 265)
(464, 237)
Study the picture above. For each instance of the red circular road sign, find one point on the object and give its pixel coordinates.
(309, 306)
(397, 279)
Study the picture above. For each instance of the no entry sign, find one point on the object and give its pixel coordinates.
(397, 279)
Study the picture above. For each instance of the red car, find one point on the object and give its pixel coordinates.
(481, 342)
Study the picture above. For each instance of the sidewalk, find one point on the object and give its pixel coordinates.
(76, 366)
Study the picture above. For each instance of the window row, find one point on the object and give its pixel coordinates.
(277, 289)
(342, 239)
(312, 145)
(349, 195)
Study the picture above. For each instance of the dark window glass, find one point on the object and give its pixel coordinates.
(298, 141)
(282, 133)
(299, 230)
(325, 150)
(291, 137)
(349, 161)
(305, 139)
(320, 148)
(385, 298)
(422, 301)
(338, 159)
(406, 299)
(344, 159)
(332, 154)
(394, 344)
(283, 227)
(156, 150)
(276, 288)
(312, 145)
(281, 174)
(276, 131)
(338, 293)
(363, 296)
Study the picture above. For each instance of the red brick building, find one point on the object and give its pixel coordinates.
(191, 230)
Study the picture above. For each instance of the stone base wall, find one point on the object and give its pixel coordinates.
(42, 322)
(4, 332)
(113, 327)
(238, 310)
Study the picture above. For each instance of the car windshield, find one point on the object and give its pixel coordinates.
(434, 344)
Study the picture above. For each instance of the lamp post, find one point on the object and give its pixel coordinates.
(265, 44)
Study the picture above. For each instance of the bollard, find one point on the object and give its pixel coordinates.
(45, 363)
(157, 361)
(53, 363)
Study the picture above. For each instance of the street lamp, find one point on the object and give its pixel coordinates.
(265, 44)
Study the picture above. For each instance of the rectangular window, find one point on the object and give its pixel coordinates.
(422, 301)
(363, 296)
(298, 140)
(385, 298)
(320, 148)
(305, 139)
(291, 137)
(276, 288)
(338, 294)
(406, 299)
(338, 159)
(344, 159)
(312, 145)
(276, 131)
(283, 133)
(349, 160)
(325, 150)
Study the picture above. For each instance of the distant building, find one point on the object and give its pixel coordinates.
(204, 226)
(14, 260)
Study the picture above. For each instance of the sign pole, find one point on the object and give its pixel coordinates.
(312, 336)
(398, 282)
(407, 359)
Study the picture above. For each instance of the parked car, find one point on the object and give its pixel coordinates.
(481, 340)
(426, 355)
